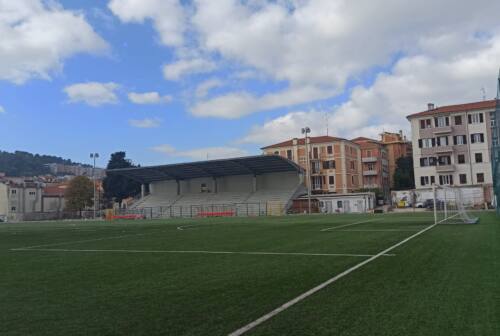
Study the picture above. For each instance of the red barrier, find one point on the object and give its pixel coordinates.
(216, 214)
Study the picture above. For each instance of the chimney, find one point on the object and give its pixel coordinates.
(430, 106)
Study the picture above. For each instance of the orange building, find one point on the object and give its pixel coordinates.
(375, 165)
(397, 146)
(335, 163)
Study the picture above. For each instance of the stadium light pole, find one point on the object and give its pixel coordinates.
(94, 156)
(306, 130)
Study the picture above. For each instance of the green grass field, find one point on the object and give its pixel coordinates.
(214, 276)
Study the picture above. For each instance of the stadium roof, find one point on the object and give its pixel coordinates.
(254, 165)
(481, 105)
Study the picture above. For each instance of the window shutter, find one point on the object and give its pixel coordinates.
(436, 122)
(472, 140)
(481, 117)
(482, 137)
(419, 143)
(447, 141)
(438, 141)
(447, 121)
(422, 181)
(454, 139)
(470, 118)
(433, 142)
(465, 139)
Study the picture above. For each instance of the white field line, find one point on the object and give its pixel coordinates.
(183, 227)
(82, 241)
(310, 292)
(379, 230)
(350, 224)
(203, 252)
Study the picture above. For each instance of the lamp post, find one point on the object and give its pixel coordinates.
(94, 156)
(306, 131)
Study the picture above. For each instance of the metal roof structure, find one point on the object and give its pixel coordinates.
(250, 165)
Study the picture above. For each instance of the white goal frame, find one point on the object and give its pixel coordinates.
(449, 206)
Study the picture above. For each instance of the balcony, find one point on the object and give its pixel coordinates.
(370, 173)
(444, 149)
(445, 168)
(369, 159)
(442, 130)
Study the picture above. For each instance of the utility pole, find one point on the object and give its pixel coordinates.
(94, 156)
(306, 131)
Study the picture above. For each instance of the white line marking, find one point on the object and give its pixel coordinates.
(381, 230)
(83, 241)
(310, 292)
(183, 227)
(350, 224)
(204, 252)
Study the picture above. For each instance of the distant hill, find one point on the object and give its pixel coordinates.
(26, 164)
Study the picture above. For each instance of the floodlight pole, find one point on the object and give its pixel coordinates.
(94, 156)
(305, 131)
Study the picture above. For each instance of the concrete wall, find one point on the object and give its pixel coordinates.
(360, 203)
(53, 204)
(4, 201)
(278, 181)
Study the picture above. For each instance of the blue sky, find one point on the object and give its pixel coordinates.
(227, 77)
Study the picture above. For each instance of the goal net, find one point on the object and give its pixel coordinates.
(450, 207)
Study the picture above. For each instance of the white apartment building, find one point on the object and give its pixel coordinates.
(452, 145)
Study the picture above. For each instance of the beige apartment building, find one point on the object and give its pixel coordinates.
(397, 146)
(452, 145)
(335, 163)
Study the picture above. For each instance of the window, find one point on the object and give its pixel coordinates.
(480, 177)
(444, 160)
(13, 209)
(339, 204)
(477, 138)
(315, 167)
(276, 153)
(460, 140)
(432, 161)
(461, 158)
(13, 191)
(446, 179)
(353, 179)
(425, 123)
(329, 164)
(32, 193)
(426, 143)
(203, 187)
(315, 152)
(329, 150)
(458, 120)
(371, 166)
(463, 178)
(441, 121)
(476, 118)
(368, 153)
(424, 162)
(424, 180)
(331, 180)
(479, 157)
(433, 179)
(352, 165)
(289, 155)
(442, 141)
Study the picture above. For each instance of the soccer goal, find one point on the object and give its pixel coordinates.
(450, 207)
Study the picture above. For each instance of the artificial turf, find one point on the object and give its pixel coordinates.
(105, 278)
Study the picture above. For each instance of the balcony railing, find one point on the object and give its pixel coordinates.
(445, 168)
(370, 172)
(369, 159)
(442, 130)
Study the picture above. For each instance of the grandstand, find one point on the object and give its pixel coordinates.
(245, 186)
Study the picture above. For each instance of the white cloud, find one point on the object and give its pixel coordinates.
(176, 70)
(204, 88)
(2, 110)
(199, 154)
(145, 123)
(168, 17)
(37, 36)
(413, 82)
(148, 98)
(92, 93)
(238, 104)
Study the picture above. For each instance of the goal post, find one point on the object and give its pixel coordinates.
(450, 207)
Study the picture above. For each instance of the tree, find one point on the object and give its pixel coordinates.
(404, 177)
(79, 194)
(119, 187)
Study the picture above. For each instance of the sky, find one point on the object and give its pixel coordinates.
(181, 80)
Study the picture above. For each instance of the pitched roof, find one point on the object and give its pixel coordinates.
(363, 139)
(301, 141)
(487, 104)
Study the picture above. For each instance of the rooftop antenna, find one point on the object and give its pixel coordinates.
(326, 120)
(483, 91)
(498, 86)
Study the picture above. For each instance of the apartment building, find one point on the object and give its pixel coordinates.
(375, 165)
(397, 146)
(18, 198)
(335, 163)
(452, 145)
